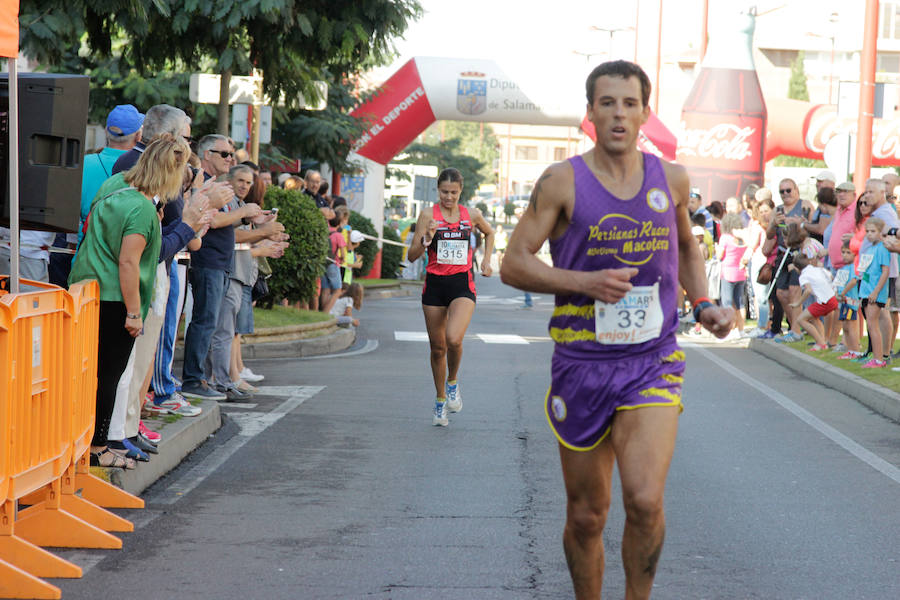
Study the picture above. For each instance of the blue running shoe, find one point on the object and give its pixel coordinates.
(440, 415)
(454, 398)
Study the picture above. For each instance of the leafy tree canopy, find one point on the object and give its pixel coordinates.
(142, 52)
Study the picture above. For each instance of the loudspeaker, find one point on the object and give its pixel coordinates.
(53, 112)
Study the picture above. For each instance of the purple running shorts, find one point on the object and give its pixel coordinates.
(585, 394)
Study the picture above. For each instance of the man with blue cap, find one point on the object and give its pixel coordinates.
(123, 131)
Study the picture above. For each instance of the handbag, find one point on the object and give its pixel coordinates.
(260, 289)
(764, 276)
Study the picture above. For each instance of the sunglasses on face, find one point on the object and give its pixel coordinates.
(862, 203)
(785, 191)
(223, 153)
(188, 139)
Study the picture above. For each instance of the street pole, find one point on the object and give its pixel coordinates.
(704, 31)
(866, 98)
(658, 59)
(254, 123)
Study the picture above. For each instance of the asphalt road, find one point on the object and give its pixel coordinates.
(334, 484)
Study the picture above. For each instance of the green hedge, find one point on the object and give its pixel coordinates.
(294, 275)
(369, 248)
(390, 255)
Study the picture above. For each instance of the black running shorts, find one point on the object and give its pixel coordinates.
(441, 290)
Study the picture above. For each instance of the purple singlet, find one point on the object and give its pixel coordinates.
(624, 356)
(609, 233)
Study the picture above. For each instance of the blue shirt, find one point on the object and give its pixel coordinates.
(843, 276)
(870, 263)
(97, 169)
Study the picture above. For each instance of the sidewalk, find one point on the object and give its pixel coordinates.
(186, 434)
(881, 400)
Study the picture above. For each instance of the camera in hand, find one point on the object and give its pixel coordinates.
(892, 231)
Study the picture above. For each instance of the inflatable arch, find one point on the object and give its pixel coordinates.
(425, 90)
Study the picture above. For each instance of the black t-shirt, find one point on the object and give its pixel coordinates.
(218, 246)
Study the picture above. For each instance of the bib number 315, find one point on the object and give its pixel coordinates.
(635, 319)
(452, 252)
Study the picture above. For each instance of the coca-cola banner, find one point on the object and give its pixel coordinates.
(733, 143)
(802, 129)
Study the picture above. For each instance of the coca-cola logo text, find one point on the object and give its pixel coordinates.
(825, 124)
(721, 141)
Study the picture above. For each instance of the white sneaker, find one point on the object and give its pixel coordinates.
(454, 398)
(251, 377)
(440, 415)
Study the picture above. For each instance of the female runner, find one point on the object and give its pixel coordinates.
(448, 297)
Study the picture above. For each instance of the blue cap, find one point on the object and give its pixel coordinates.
(124, 119)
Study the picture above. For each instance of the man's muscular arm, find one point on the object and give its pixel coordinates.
(547, 214)
(691, 267)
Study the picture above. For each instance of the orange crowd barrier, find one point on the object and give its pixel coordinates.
(48, 365)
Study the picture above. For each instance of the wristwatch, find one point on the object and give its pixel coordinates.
(701, 306)
(129, 315)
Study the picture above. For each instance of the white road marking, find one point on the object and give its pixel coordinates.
(502, 338)
(247, 405)
(866, 456)
(410, 336)
(251, 424)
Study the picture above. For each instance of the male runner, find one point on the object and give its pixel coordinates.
(619, 233)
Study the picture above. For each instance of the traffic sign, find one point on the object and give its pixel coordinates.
(241, 117)
(204, 89)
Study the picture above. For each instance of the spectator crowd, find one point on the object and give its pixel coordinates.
(825, 267)
(175, 228)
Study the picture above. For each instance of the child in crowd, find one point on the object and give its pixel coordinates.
(350, 297)
(845, 286)
(699, 219)
(816, 282)
(354, 261)
(874, 265)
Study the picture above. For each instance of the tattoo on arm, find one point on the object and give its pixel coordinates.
(537, 190)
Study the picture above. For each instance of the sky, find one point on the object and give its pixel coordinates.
(540, 33)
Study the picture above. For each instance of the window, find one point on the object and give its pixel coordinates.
(559, 153)
(526, 153)
(890, 20)
(888, 63)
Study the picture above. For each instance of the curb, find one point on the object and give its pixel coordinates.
(339, 339)
(295, 341)
(881, 400)
(393, 290)
(179, 439)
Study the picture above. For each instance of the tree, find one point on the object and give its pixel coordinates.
(444, 155)
(475, 139)
(797, 90)
(293, 42)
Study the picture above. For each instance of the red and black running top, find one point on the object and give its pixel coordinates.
(450, 252)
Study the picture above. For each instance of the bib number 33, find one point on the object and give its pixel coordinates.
(635, 319)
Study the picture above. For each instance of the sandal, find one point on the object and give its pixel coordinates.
(108, 458)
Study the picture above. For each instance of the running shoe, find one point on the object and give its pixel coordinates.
(454, 398)
(840, 348)
(251, 377)
(849, 355)
(440, 415)
(768, 335)
(789, 337)
(177, 405)
(818, 347)
(201, 391)
(149, 433)
(233, 394)
(875, 364)
(863, 358)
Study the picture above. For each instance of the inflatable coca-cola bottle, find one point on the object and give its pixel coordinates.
(723, 121)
